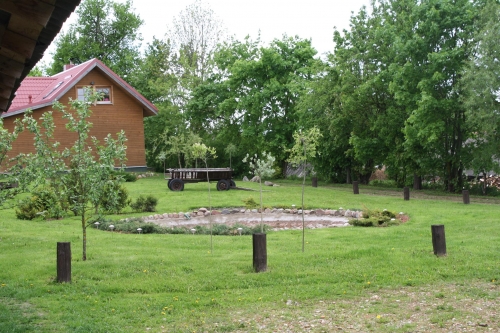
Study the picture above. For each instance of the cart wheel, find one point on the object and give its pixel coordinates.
(168, 184)
(232, 183)
(176, 185)
(222, 185)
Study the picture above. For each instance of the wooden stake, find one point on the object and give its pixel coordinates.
(406, 192)
(355, 187)
(63, 262)
(259, 252)
(438, 240)
(465, 196)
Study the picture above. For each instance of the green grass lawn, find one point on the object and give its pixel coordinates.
(348, 279)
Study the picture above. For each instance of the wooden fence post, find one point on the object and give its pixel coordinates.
(355, 187)
(63, 262)
(465, 196)
(259, 252)
(314, 181)
(438, 240)
(406, 193)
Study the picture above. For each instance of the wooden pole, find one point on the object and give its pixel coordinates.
(465, 196)
(259, 252)
(406, 192)
(438, 240)
(63, 262)
(355, 187)
(314, 181)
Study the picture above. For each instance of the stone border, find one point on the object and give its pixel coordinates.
(204, 212)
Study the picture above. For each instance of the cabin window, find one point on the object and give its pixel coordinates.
(105, 93)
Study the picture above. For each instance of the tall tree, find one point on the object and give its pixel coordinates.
(252, 95)
(481, 84)
(105, 30)
(431, 60)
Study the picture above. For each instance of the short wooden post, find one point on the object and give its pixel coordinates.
(355, 187)
(465, 196)
(406, 191)
(259, 252)
(63, 262)
(314, 181)
(438, 240)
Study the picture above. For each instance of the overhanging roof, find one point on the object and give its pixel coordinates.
(27, 27)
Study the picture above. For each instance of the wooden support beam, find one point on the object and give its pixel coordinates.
(11, 67)
(32, 11)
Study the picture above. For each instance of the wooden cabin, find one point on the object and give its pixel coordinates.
(120, 108)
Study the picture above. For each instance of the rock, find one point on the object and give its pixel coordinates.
(279, 210)
(245, 179)
(203, 210)
(275, 185)
(215, 212)
(319, 212)
(287, 211)
(255, 211)
(235, 211)
(268, 183)
(255, 179)
(336, 213)
(206, 213)
(307, 212)
(267, 211)
(242, 211)
(226, 211)
(348, 213)
(175, 215)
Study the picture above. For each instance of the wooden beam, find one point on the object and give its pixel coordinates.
(18, 44)
(36, 11)
(11, 67)
(25, 28)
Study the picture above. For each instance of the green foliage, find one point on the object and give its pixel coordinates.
(376, 218)
(114, 197)
(43, 203)
(106, 30)
(126, 176)
(145, 204)
(250, 203)
(384, 183)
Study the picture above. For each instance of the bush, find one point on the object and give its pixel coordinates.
(376, 218)
(145, 204)
(44, 203)
(114, 198)
(384, 183)
(127, 176)
(250, 203)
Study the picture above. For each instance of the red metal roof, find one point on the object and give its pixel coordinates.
(45, 90)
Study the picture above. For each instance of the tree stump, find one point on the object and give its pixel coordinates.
(465, 197)
(314, 181)
(259, 252)
(406, 193)
(438, 240)
(355, 187)
(63, 262)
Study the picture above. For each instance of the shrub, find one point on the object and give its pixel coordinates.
(127, 176)
(145, 204)
(44, 203)
(376, 218)
(250, 203)
(114, 198)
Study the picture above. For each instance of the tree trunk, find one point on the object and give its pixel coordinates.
(348, 176)
(84, 232)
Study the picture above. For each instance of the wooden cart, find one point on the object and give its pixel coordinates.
(223, 176)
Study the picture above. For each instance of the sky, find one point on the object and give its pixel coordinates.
(311, 19)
